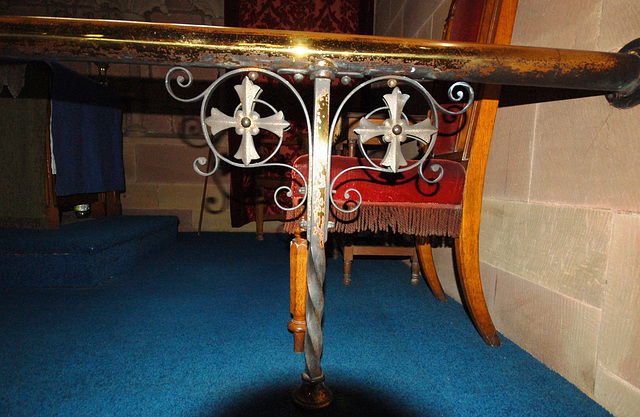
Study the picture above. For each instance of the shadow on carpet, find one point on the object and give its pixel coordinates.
(348, 401)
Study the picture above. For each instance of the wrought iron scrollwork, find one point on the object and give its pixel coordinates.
(396, 129)
(246, 122)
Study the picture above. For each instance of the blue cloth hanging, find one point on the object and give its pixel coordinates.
(86, 132)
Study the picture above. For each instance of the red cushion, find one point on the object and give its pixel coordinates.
(402, 203)
(406, 187)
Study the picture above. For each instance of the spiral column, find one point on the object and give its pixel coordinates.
(313, 393)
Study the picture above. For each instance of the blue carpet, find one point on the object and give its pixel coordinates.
(82, 253)
(199, 329)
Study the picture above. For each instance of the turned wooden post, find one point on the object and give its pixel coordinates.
(298, 290)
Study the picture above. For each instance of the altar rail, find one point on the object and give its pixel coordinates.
(321, 57)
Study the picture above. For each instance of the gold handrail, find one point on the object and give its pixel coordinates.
(155, 43)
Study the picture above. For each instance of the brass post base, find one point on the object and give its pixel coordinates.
(312, 394)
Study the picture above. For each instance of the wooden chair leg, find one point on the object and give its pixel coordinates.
(467, 257)
(260, 210)
(99, 208)
(298, 290)
(425, 256)
(204, 191)
(52, 211)
(348, 261)
(468, 262)
(114, 206)
(260, 207)
(415, 269)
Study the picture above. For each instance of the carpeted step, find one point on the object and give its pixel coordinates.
(82, 253)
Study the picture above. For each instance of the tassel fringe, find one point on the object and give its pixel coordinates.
(416, 219)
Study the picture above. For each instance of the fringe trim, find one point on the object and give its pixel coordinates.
(417, 219)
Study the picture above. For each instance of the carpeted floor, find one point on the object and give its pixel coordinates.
(200, 330)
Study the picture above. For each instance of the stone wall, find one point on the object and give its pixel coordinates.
(162, 137)
(411, 18)
(560, 228)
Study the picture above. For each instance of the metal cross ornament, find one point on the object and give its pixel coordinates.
(395, 130)
(246, 121)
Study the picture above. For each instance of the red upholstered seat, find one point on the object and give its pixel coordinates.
(416, 208)
(399, 203)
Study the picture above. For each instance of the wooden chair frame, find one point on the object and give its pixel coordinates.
(472, 146)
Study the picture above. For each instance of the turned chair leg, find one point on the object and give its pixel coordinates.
(114, 205)
(425, 256)
(259, 212)
(260, 220)
(415, 269)
(204, 191)
(468, 262)
(298, 290)
(348, 261)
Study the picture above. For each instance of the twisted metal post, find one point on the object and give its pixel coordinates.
(313, 393)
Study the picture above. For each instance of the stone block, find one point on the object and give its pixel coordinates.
(424, 31)
(439, 18)
(180, 196)
(416, 15)
(559, 24)
(118, 70)
(489, 276)
(616, 395)
(129, 161)
(139, 196)
(446, 269)
(157, 124)
(562, 248)
(508, 172)
(220, 222)
(383, 17)
(170, 163)
(586, 154)
(559, 331)
(619, 24)
(396, 27)
(619, 351)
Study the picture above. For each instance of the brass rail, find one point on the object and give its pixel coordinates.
(152, 43)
